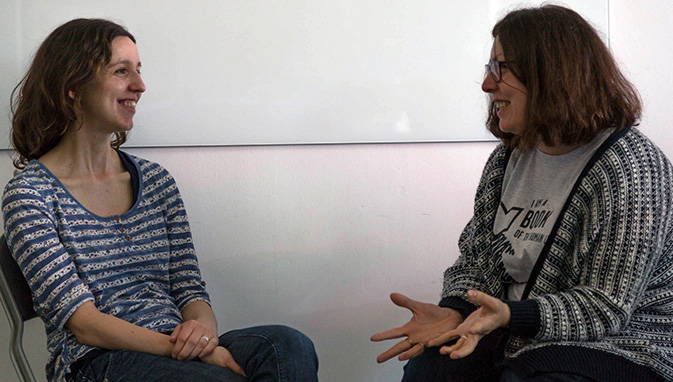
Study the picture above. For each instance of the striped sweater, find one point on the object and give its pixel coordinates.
(603, 283)
(139, 266)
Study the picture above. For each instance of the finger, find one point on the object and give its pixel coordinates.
(212, 344)
(393, 351)
(231, 364)
(175, 334)
(389, 334)
(448, 349)
(184, 343)
(462, 349)
(415, 350)
(196, 346)
(444, 338)
(465, 350)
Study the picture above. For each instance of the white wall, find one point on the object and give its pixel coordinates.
(316, 237)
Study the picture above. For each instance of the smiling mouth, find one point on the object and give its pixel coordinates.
(131, 104)
(499, 105)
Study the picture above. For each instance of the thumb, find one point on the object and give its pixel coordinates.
(480, 298)
(402, 301)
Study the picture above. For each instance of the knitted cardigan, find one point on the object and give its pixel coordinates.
(604, 280)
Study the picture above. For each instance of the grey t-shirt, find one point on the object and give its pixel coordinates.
(535, 188)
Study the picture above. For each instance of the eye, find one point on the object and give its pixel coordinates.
(121, 71)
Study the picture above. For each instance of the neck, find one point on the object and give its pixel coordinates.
(81, 155)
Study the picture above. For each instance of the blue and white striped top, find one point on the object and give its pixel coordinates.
(139, 266)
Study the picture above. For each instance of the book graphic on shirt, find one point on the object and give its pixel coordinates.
(530, 226)
(500, 243)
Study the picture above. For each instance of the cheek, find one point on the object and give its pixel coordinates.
(522, 106)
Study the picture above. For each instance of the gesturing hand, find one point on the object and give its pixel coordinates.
(428, 321)
(192, 339)
(221, 357)
(492, 314)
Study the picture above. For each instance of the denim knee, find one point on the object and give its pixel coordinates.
(274, 349)
(294, 344)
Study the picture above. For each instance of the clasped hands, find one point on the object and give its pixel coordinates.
(191, 339)
(432, 325)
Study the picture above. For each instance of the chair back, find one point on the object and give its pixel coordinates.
(18, 304)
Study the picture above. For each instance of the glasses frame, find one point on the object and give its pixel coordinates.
(493, 67)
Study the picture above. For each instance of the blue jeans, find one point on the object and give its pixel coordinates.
(266, 353)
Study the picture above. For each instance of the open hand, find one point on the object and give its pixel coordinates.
(428, 321)
(492, 314)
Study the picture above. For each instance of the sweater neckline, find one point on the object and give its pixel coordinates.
(129, 212)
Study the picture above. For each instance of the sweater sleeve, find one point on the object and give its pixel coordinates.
(611, 242)
(50, 271)
(187, 285)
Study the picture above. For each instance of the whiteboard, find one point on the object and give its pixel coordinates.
(255, 72)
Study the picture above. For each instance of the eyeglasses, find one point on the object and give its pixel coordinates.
(493, 67)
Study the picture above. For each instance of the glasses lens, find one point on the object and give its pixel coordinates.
(495, 69)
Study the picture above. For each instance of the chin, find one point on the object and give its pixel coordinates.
(509, 129)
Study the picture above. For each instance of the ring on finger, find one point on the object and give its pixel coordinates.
(463, 336)
(412, 343)
(205, 338)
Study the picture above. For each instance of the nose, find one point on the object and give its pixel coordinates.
(137, 84)
(489, 85)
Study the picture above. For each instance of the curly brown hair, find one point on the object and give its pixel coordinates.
(575, 88)
(67, 60)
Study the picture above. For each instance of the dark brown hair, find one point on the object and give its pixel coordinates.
(67, 60)
(575, 88)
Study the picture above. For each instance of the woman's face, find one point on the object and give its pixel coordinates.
(508, 94)
(109, 102)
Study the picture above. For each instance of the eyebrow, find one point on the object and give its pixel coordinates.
(125, 62)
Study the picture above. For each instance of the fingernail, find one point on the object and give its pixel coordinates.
(472, 293)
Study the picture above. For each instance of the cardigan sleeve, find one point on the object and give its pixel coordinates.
(472, 271)
(612, 239)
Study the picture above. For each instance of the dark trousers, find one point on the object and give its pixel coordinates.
(483, 365)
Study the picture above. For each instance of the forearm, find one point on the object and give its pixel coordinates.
(202, 312)
(93, 328)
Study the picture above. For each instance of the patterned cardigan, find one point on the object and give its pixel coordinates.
(604, 280)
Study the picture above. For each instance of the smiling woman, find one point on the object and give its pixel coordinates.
(46, 103)
(568, 257)
(509, 95)
(110, 100)
(103, 239)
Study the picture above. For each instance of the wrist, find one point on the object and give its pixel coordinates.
(507, 316)
(524, 320)
(165, 345)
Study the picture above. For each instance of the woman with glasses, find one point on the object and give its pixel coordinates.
(565, 270)
(102, 236)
